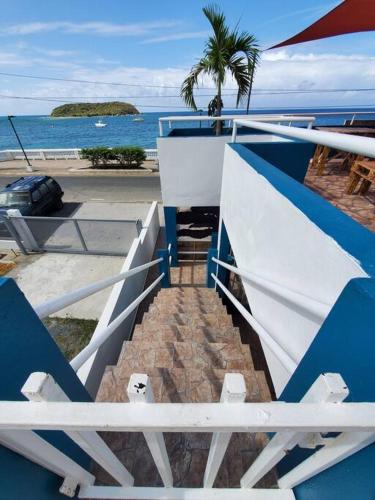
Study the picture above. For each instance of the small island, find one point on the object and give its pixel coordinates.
(94, 109)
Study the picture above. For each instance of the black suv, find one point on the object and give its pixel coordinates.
(34, 195)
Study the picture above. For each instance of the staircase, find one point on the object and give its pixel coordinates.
(185, 344)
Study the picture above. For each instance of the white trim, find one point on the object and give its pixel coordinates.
(344, 142)
(189, 417)
(140, 493)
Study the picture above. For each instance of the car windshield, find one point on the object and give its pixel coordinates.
(13, 198)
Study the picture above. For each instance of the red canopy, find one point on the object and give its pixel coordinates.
(351, 16)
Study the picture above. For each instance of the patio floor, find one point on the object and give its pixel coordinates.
(332, 186)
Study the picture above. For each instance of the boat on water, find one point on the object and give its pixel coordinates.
(138, 119)
(100, 124)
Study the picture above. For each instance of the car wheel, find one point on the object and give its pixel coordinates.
(59, 205)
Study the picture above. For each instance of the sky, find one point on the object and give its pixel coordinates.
(148, 45)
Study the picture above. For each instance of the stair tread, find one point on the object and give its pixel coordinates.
(172, 333)
(188, 355)
(175, 385)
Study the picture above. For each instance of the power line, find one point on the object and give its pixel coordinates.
(143, 85)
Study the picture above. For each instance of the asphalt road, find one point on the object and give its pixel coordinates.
(115, 189)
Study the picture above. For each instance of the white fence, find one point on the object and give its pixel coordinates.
(56, 154)
(320, 411)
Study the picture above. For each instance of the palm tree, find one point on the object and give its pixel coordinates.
(226, 51)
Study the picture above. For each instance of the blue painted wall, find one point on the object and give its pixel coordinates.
(170, 214)
(292, 158)
(25, 347)
(351, 236)
(345, 345)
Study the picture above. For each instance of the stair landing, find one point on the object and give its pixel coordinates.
(186, 344)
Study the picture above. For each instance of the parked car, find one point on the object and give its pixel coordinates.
(34, 195)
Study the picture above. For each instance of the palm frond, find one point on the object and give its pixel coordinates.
(191, 81)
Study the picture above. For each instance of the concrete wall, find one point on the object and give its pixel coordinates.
(26, 347)
(282, 231)
(191, 167)
(123, 293)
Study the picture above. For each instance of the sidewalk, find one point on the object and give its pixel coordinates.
(74, 168)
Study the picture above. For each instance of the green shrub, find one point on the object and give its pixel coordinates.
(118, 157)
(98, 156)
(129, 156)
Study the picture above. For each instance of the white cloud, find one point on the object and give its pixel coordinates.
(94, 28)
(278, 70)
(190, 35)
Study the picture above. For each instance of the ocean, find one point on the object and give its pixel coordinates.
(46, 132)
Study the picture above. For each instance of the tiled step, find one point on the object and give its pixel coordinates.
(185, 308)
(189, 319)
(188, 355)
(175, 385)
(174, 333)
(188, 299)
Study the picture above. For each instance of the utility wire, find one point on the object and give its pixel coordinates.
(143, 85)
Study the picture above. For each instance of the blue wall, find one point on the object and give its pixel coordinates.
(26, 347)
(345, 345)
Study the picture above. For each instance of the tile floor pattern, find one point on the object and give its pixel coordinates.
(332, 186)
(185, 343)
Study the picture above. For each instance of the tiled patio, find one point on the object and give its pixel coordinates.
(332, 186)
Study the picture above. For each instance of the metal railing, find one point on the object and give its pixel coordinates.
(73, 235)
(289, 363)
(56, 154)
(312, 306)
(343, 142)
(279, 118)
(55, 305)
(320, 411)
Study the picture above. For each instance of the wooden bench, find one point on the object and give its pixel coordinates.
(363, 173)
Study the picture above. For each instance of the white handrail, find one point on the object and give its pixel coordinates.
(343, 142)
(188, 417)
(315, 307)
(285, 359)
(54, 305)
(106, 332)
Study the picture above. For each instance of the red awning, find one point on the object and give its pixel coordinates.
(351, 16)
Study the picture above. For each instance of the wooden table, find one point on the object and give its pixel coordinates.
(362, 172)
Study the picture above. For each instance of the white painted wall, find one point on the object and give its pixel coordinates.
(123, 293)
(191, 168)
(274, 239)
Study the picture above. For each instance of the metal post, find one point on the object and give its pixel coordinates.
(233, 391)
(164, 267)
(211, 267)
(140, 391)
(83, 243)
(29, 166)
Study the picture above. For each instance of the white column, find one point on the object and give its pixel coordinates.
(233, 391)
(41, 387)
(329, 388)
(139, 391)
